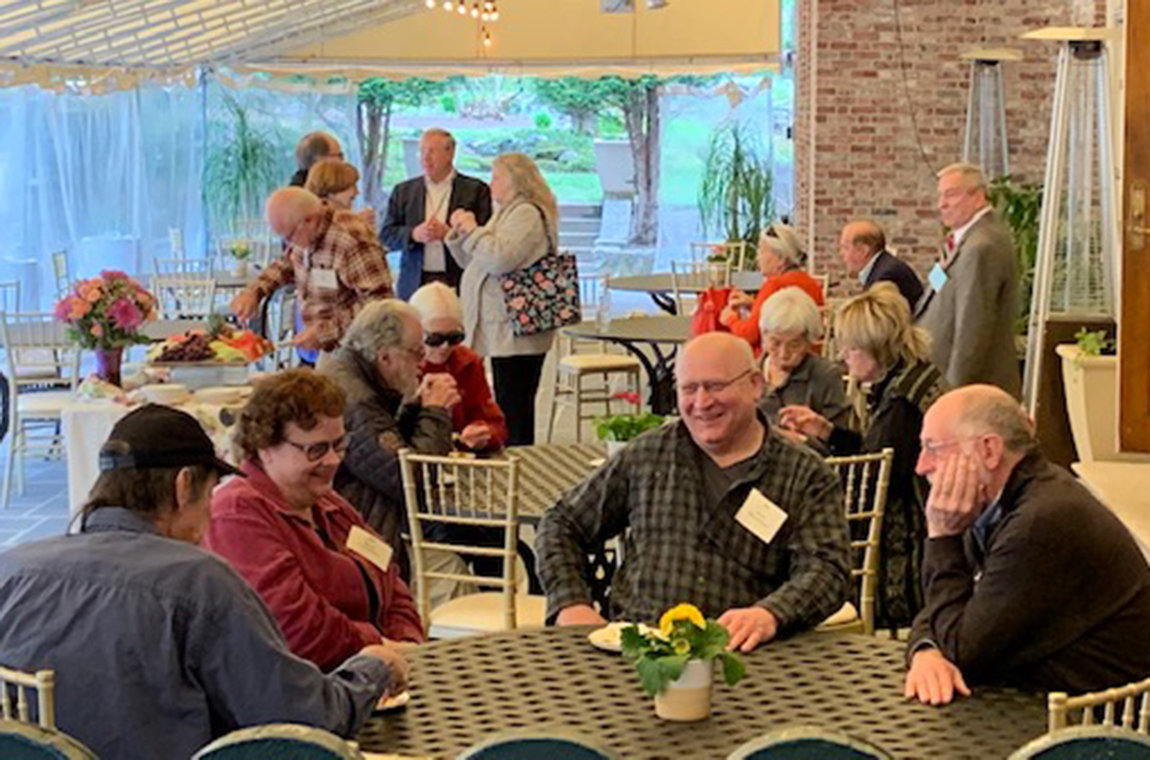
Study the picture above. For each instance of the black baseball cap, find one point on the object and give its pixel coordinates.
(156, 436)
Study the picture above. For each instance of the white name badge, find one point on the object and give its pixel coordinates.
(323, 279)
(760, 516)
(937, 277)
(374, 550)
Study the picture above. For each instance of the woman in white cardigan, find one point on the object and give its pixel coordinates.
(526, 215)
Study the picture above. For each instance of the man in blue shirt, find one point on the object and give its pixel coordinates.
(159, 646)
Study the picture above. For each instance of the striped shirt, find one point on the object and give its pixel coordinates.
(676, 547)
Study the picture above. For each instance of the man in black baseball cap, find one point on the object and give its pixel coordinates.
(158, 645)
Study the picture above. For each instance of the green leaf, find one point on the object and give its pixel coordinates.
(672, 666)
(733, 667)
(650, 675)
(633, 643)
(712, 641)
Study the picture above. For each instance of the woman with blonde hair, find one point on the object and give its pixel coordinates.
(523, 229)
(884, 349)
(780, 259)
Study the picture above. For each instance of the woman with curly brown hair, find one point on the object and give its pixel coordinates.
(286, 530)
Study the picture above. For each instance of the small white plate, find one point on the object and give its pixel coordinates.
(609, 638)
(596, 462)
(386, 704)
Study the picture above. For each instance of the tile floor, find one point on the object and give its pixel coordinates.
(42, 510)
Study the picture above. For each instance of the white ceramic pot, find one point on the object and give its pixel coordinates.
(614, 447)
(688, 698)
(241, 268)
(1091, 384)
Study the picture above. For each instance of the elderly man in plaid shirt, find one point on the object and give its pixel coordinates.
(715, 509)
(333, 256)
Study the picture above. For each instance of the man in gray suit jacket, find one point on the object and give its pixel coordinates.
(970, 307)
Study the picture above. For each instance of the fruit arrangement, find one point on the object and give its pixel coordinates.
(220, 343)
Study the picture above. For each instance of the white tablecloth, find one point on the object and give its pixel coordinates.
(87, 424)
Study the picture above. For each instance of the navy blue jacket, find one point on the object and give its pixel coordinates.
(893, 269)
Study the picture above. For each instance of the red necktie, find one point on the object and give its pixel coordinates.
(950, 246)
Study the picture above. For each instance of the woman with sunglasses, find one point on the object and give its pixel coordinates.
(287, 531)
(780, 259)
(478, 421)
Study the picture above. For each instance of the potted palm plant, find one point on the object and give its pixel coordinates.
(676, 663)
(735, 197)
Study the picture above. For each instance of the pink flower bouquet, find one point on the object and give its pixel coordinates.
(107, 311)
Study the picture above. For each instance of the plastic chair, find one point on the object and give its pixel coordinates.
(281, 741)
(585, 369)
(1133, 717)
(182, 266)
(21, 741)
(807, 743)
(865, 479)
(532, 744)
(1087, 743)
(61, 273)
(184, 295)
(735, 252)
(477, 493)
(42, 681)
(690, 277)
(39, 355)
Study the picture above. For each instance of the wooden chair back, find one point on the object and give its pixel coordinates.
(20, 683)
(690, 277)
(1126, 706)
(807, 741)
(866, 480)
(1086, 743)
(184, 295)
(162, 267)
(280, 740)
(23, 741)
(462, 491)
(38, 352)
(556, 744)
(736, 252)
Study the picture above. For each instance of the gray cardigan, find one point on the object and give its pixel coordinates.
(514, 238)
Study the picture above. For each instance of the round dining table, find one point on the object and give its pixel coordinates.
(653, 341)
(661, 288)
(465, 690)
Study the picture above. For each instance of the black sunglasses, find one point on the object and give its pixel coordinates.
(436, 339)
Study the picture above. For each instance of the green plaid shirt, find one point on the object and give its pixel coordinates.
(676, 548)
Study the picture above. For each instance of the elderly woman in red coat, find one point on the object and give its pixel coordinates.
(478, 421)
(326, 576)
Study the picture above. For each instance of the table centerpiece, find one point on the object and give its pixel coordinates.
(617, 430)
(676, 663)
(104, 314)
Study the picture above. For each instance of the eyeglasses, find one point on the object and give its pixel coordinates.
(934, 448)
(437, 339)
(317, 451)
(712, 386)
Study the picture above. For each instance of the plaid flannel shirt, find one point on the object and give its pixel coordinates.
(343, 243)
(678, 549)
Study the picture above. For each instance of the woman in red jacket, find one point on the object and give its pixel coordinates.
(780, 259)
(478, 420)
(324, 574)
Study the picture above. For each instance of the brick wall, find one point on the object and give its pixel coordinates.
(887, 115)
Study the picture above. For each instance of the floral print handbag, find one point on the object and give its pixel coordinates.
(545, 295)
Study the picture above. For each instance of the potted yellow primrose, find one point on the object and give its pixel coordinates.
(676, 663)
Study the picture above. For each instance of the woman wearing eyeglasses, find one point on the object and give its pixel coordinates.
(885, 352)
(780, 259)
(478, 421)
(287, 531)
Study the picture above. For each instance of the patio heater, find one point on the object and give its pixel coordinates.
(985, 143)
(1075, 270)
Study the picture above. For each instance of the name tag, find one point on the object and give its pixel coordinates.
(937, 277)
(374, 550)
(760, 516)
(323, 279)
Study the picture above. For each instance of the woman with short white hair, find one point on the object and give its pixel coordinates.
(477, 419)
(791, 325)
(886, 352)
(781, 260)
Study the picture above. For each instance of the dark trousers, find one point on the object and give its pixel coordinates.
(516, 383)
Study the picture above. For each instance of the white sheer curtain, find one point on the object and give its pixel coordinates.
(103, 177)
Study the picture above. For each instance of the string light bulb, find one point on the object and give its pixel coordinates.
(475, 9)
(447, 6)
(430, 3)
(488, 6)
(462, 9)
(485, 16)
(495, 15)
(486, 38)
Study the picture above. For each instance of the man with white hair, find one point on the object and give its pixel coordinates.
(333, 258)
(1028, 579)
(715, 509)
(419, 209)
(972, 303)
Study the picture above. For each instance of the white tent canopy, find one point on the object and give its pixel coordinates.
(113, 44)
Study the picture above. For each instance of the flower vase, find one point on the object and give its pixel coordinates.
(688, 697)
(614, 447)
(241, 268)
(108, 361)
(717, 273)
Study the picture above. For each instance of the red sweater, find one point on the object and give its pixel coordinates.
(478, 405)
(748, 328)
(316, 591)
